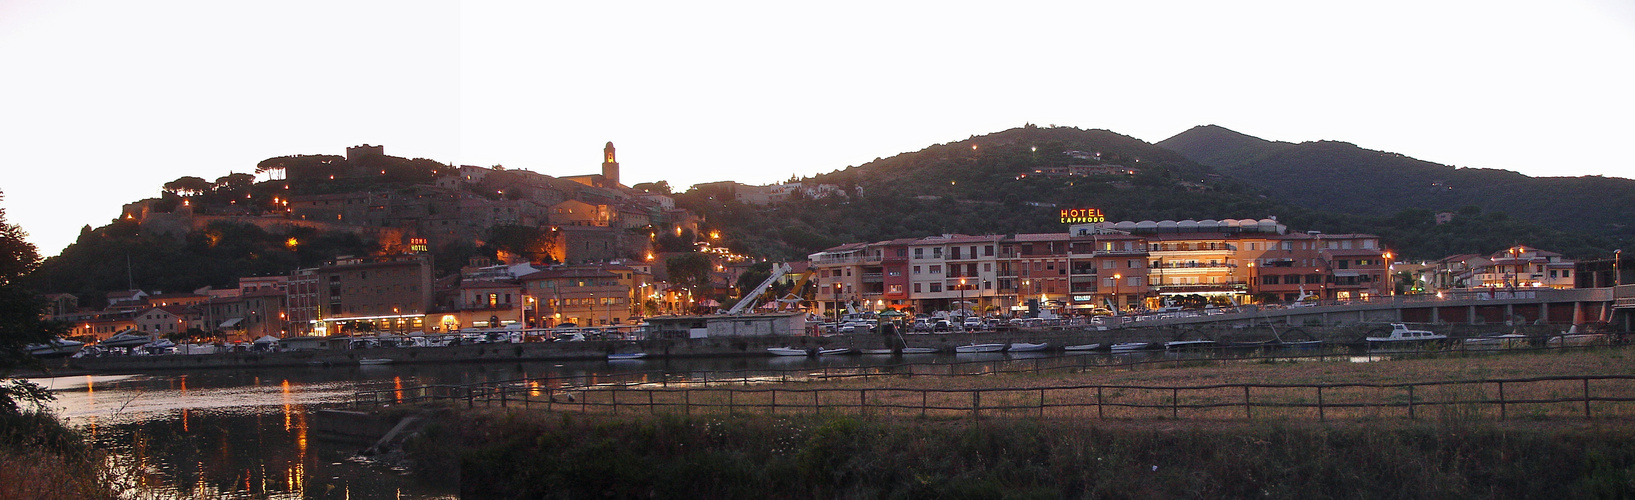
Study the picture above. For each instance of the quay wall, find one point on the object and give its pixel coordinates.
(738, 346)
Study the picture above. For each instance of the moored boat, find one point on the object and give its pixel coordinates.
(374, 361)
(1401, 333)
(973, 348)
(1131, 346)
(127, 338)
(56, 348)
(836, 350)
(788, 351)
(1027, 347)
(1189, 344)
(1082, 347)
(625, 356)
(919, 350)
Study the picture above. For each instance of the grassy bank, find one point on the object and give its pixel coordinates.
(41, 458)
(539, 455)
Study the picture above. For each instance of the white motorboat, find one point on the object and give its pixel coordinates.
(1401, 333)
(625, 356)
(875, 352)
(1131, 346)
(837, 350)
(127, 338)
(56, 348)
(374, 361)
(919, 350)
(1082, 347)
(972, 348)
(788, 351)
(1027, 347)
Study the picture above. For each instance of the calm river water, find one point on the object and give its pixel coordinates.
(244, 433)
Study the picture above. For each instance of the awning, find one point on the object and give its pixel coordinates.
(232, 323)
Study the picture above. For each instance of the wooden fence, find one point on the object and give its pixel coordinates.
(1599, 396)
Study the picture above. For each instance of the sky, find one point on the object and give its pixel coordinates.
(105, 101)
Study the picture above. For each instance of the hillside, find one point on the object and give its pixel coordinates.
(996, 187)
(1341, 177)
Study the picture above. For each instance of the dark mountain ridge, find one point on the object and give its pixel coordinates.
(1342, 177)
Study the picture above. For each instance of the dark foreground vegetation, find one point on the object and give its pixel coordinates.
(547, 455)
(42, 458)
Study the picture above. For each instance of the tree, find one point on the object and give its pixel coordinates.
(660, 187)
(187, 186)
(752, 277)
(690, 270)
(20, 318)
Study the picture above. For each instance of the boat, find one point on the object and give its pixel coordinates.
(837, 350)
(127, 338)
(374, 361)
(1301, 344)
(1082, 347)
(56, 348)
(1027, 347)
(788, 351)
(919, 350)
(875, 351)
(1188, 344)
(626, 356)
(1401, 333)
(1496, 340)
(1131, 346)
(971, 348)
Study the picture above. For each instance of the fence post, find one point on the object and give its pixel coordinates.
(1099, 413)
(1041, 401)
(923, 402)
(1410, 402)
(615, 395)
(651, 410)
(1175, 401)
(503, 393)
(862, 402)
(774, 401)
(1586, 397)
(1320, 415)
(584, 401)
(550, 397)
(470, 400)
(1247, 412)
(976, 405)
(687, 402)
(1501, 400)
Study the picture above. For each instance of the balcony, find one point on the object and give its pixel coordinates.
(1236, 286)
(874, 277)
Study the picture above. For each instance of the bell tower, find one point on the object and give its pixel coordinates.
(610, 166)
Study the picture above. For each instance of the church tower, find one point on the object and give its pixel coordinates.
(610, 166)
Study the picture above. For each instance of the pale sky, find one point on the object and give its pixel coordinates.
(104, 101)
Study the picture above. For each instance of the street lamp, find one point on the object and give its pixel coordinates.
(1251, 281)
(1116, 306)
(962, 300)
(1617, 278)
(1390, 276)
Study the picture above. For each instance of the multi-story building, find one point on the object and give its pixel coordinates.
(581, 295)
(389, 294)
(1523, 266)
(1120, 266)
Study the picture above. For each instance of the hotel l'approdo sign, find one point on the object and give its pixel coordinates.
(1082, 215)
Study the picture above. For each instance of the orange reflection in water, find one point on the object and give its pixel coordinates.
(397, 385)
(288, 402)
(185, 413)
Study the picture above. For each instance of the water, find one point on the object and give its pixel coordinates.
(244, 433)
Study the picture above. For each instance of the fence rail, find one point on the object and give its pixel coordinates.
(1603, 396)
(763, 391)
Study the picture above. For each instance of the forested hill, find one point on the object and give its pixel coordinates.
(1341, 177)
(1003, 183)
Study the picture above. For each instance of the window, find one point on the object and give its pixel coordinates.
(935, 270)
(916, 288)
(1566, 273)
(987, 285)
(916, 270)
(987, 251)
(1107, 264)
(1270, 279)
(953, 253)
(987, 267)
(895, 289)
(919, 253)
(936, 287)
(936, 253)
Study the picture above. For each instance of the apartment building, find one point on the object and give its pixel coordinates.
(388, 294)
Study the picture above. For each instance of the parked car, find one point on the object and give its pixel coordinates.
(973, 323)
(942, 325)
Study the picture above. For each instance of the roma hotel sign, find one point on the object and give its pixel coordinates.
(1082, 215)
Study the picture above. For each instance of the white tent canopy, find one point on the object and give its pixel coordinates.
(267, 339)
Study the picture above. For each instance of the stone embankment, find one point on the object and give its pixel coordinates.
(722, 347)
